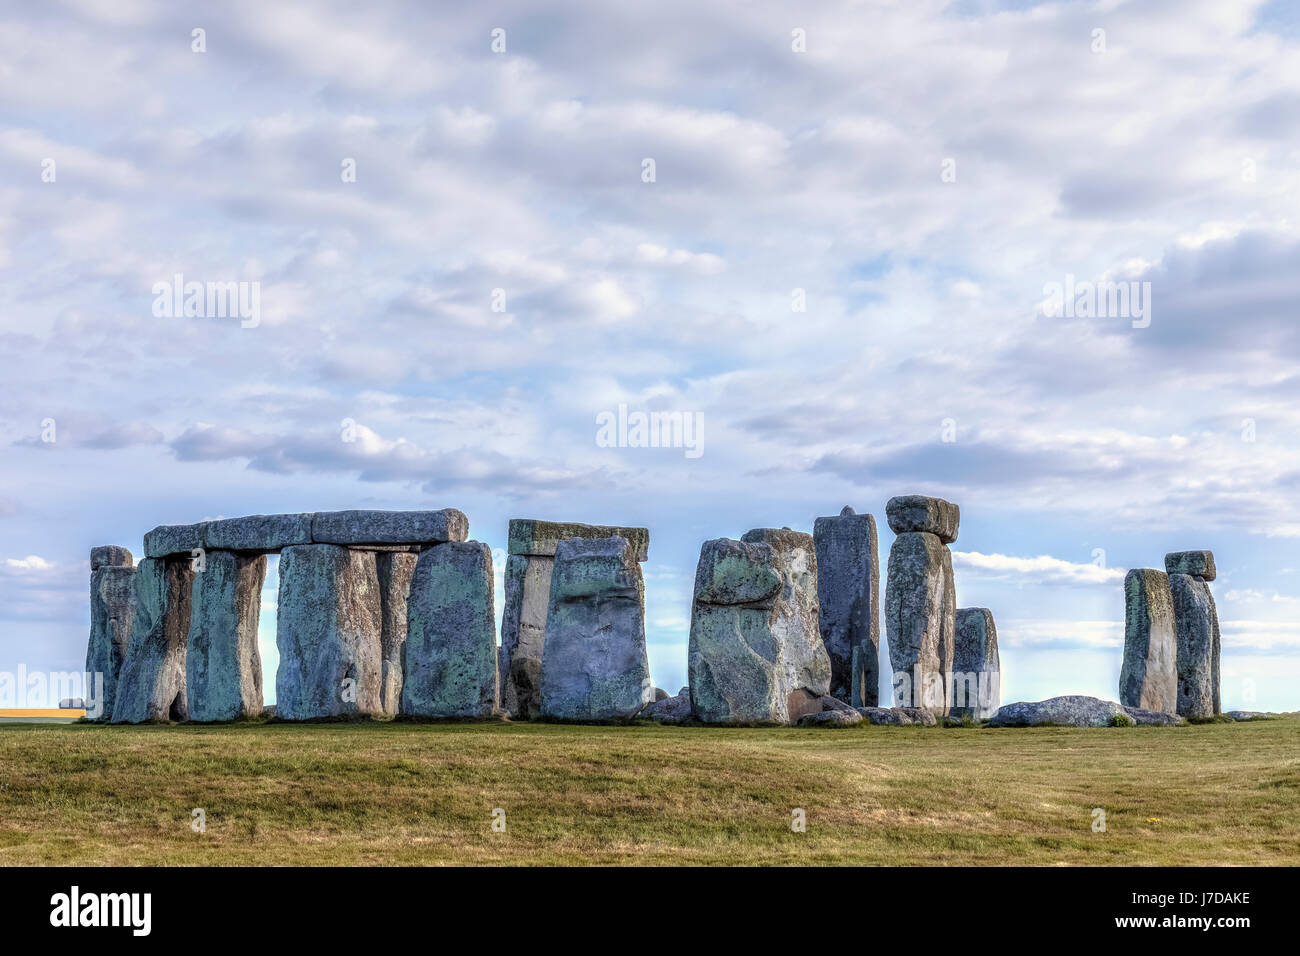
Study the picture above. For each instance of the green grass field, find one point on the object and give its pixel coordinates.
(1220, 794)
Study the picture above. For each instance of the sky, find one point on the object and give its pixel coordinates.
(834, 235)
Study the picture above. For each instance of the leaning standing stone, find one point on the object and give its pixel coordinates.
(920, 618)
(223, 666)
(756, 653)
(1197, 623)
(395, 569)
(112, 612)
(449, 661)
(976, 668)
(594, 663)
(151, 686)
(848, 598)
(1148, 678)
(328, 633)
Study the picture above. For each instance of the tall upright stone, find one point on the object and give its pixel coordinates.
(395, 570)
(1196, 621)
(151, 684)
(976, 666)
(848, 596)
(1149, 675)
(329, 633)
(531, 558)
(756, 654)
(594, 663)
(112, 612)
(449, 659)
(223, 665)
(921, 601)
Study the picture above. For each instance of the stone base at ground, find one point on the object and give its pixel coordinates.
(976, 666)
(1074, 711)
(223, 666)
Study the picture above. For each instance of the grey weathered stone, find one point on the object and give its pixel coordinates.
(110, 555)
(831, 718)
(263, 533)
(848, 598)
(1149, 675)
(594, 663)
(112, 613)
(450, 657)
(759, 660)
(151, 684)
(1072, 711)
(1249, 715)
(169, 540)
(1152, 718)
(329, 633)
(1196, 622)
(976, 666)
(223, 667)
(897, 716)
(532, 537)
(911, 513)
(920, 618)
(1196, 563)
(670, 710)
(523, 630)
(389, 527)
(395, 570)
(509, 702)
(661, 694)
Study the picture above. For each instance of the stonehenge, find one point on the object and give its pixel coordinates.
(531, 557)
(1196, 622)
(920, 601)
(1149, 676)
(112, 613)
(848, 599)
(756, 654)
(387, 615)
(594, 662)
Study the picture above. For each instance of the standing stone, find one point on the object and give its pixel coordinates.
(151, 685)
(450, 656)
(976, 667)
(532, 546)
(328, 633)
(223, 667)
(1197, 623)
(395, 569)
(112, 612)
(756, 654)
(848, 596)
(1149, 677)
(594, 664)
(920, 601)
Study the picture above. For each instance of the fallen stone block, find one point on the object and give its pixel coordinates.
(262, 533)
(758, 657)
(831, 718)
(918, 513)
(594, 663)
(1149, 677)
(450, 656)
(670, 710)
(1073, 711)
(848, 598)
(223, 666)
(1142, 717)
(389, 527)
(898, 716)
(529, 536)
(1196, 622)
(1199, 564)
(976, 667)
(920, 619)
(151, 684)
(1243, 716)
(395, 570)
(329, 633)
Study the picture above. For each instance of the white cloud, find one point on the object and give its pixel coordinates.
(1043, 569)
